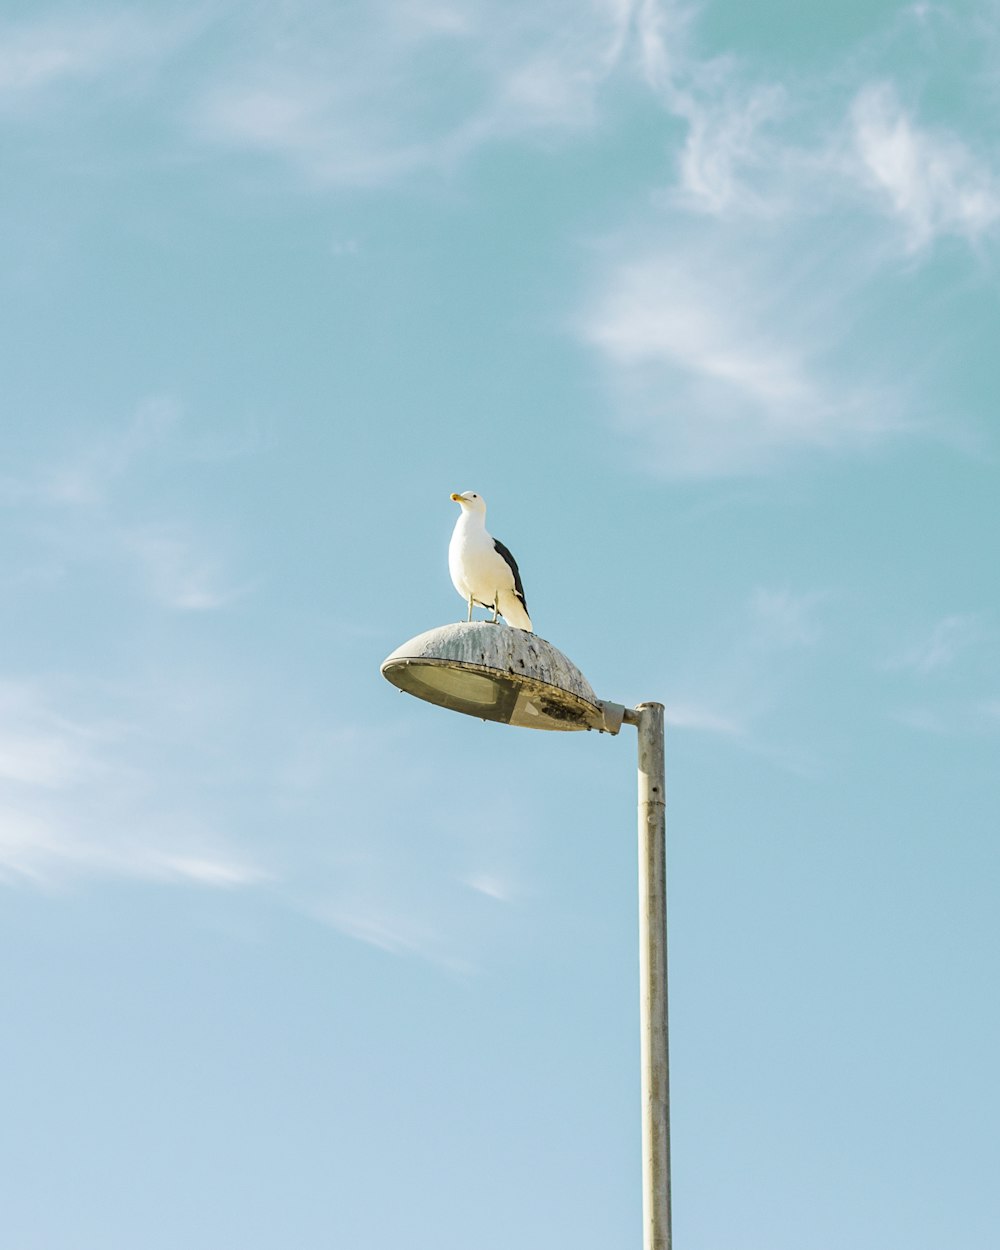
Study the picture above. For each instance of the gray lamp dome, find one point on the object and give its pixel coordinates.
(502, 674)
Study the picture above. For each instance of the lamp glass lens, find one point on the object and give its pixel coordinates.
(471, 688)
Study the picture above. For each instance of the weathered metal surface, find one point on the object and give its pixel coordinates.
(482, 643)
(653, 979)
(551, 692)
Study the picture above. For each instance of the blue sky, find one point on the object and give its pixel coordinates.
(703, 300)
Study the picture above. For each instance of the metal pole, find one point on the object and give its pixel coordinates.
(656, 1233)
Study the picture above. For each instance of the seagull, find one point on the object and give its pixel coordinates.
(482, 568)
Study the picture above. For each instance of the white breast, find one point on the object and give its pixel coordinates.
(476, 567)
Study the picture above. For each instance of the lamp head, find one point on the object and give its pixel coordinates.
(499, 674)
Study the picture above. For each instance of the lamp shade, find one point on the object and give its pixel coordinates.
(497, 673)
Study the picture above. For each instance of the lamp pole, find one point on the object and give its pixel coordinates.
(656, 1230)
(516, 678)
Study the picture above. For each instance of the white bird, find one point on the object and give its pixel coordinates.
(482, 569)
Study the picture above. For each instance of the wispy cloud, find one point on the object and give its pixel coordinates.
(94, 779)
(787, 619)
(752, 672)
(723, 144)
(929, 179)
(177, 572)
(64, 60)
(79, 798)
(389, 931)
(89, 471)
(657, 309)
(37, 54)
(41, 749)
(51, 849)
(704, 717)
(395, 930)
(85, 470)
(941, 646)
(321, 88)
(359, 868)
(725, 313)
(88, 510)
(231, 781)
(764, 145)
(954, 717)
(348, 95)
(923, 719)
(715, 365)
(942, 674)
(492, 884)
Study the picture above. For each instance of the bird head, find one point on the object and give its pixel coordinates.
(469, 501)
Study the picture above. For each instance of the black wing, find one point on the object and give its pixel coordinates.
(518, 588)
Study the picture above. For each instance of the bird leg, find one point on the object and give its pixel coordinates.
(469, 617)
(496, 606)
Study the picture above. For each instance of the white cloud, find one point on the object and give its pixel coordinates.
(923, 720)
(86, 473)
(942, 645)
(50, 849)
(177, 572)
(492, 884)
(35, 55)
(322, 89)
(727, 321)
(207, 871)
(714, 365)
(350, 95)
(387, 929)
(727, 346)
(48, 57)
(39, 759)
(930, 180)
(724, 140)
(43, 748)
(744, 676)
(657, 310)
(733, 158)
(89, 512)
(191, 780)
(700, 716)
(410, 919)
(369, 95)
(954, 716)
(82, 798)
(786, 619)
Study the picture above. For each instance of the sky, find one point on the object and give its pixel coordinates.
(703, 300)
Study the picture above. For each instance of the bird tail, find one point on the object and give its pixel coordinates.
(513, 611)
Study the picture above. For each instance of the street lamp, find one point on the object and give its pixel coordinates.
(507, 675)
